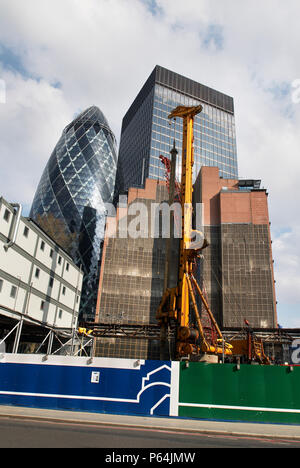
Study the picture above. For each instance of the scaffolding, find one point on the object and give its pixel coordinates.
(20, 333)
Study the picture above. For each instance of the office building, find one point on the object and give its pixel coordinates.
(39, 282)
(236, 270)
(77, 182)
(147, 132)
(132, 279)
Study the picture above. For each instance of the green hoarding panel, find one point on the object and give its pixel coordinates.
(248, 393)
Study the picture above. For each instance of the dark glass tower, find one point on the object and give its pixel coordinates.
(147, 133)
(77, 182)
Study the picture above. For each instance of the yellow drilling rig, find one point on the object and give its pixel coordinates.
(179, 304)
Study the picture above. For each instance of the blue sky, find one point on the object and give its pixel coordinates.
(11, 61)
(60, 56)
(153, 7)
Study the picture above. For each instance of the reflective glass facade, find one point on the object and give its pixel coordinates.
(77, 181)
(214, 135)
(147, 132)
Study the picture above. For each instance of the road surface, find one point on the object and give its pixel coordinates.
(16, 433)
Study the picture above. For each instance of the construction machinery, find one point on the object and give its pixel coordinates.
(197, 331)
(179, 304)
(250, 348)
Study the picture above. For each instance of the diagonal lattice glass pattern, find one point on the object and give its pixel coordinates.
(77, 182)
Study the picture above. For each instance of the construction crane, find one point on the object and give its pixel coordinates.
(176, 302)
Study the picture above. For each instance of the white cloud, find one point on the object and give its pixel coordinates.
(32, 120)
(287, 254)
(101, 52)
(286, 248)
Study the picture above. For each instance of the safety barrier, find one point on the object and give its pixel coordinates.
(152, 388)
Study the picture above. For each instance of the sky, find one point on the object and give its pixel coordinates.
(58, 57)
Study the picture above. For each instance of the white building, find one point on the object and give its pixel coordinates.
(39, 281)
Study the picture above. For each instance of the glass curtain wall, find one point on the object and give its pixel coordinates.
(214, 135)
(77, 182)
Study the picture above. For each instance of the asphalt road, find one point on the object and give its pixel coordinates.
(24, 433)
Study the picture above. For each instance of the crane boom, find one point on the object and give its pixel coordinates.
(176, 302)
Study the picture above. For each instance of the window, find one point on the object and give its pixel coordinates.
(1, 285)
(6, 215)
(59, 260)
(67, 267)
(42, 305)
(64, 290)
(37, 273)
(13, 292)
(60, 314)
(26, 231)
(51, 253)
(42, 245)
(50, 282)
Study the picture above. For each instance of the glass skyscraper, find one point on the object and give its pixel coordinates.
(147, 132)
(77, 182)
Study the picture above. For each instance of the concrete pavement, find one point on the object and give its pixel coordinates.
(291, 432)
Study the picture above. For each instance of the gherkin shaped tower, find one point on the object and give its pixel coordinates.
(77, 182)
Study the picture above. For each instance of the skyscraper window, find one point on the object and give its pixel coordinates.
(147, 132)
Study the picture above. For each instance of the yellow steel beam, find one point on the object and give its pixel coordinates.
(188, 114)
(204, 301)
